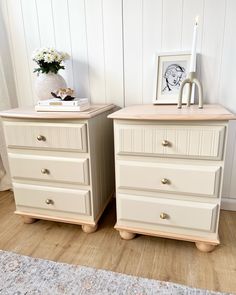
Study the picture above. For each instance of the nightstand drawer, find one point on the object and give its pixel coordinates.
(52, 198)
(167, 212)
(170, 140)
(171, 178)
(49, 168)
(46, 135)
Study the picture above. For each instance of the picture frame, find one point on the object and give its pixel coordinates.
(171, 69)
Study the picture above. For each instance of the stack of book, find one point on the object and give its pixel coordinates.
(58, 105)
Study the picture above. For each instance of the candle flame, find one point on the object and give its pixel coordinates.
(197, 20)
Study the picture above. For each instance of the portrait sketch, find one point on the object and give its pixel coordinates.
(173, 75)
(171, 70)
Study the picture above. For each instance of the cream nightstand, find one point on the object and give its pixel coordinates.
(169, 171)
(61, 164)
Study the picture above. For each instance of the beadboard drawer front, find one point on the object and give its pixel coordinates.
(185, 214)
(63, 169)
(46, 135)
(52, 198)
(177, 178)
(170, 140)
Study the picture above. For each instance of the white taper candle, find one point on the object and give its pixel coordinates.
(192, 67)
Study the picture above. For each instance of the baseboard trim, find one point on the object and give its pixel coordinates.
(228, 204)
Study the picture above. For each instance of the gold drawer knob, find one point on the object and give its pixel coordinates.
(165, 143)
(165, 181)
(49, 202)
(163, 215)
(41, 138)
(45, 171)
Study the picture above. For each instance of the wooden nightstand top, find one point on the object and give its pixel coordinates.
(209, 112)
(30, 113)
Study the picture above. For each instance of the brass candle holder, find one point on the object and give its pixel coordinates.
(192, 79)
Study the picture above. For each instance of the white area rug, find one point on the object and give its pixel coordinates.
(31, 276)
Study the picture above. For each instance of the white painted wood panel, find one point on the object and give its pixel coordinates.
(113, 50)
(7, 63)
(19, 52)
(133, 51)
(212, 45)
(182, 179)
(202, 142)
(172, 21)
(227, 73)
(53, 135)
(185, 214)
(58, 169)
(46, 23)
(95, 43)
(152, 28)
(79, 48)
(31, 29)
(191, 9)
(33, 197)
(62, 36)
(112, 43)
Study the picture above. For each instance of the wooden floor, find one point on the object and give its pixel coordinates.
(150, 257)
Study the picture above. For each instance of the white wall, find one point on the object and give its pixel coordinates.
(112, 45)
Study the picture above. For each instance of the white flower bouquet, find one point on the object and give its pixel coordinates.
(49, 60)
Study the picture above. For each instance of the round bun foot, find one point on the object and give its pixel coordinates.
(204, 247)
(28, 220)
(127, 235)
(88, 229)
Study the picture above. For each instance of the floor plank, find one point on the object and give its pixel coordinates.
(150, 257)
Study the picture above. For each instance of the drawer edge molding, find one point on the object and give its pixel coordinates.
(65, 200)
(56, 136)
(196, 142)
(188, 215)
(60, 169)
(169, 177)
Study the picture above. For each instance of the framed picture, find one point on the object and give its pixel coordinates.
(171, 70)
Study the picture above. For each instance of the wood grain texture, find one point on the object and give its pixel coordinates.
(30, 113)
(171, 112)
(145, 256)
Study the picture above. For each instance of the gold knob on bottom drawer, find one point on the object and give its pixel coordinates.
(165, 143)
(49, 202)
(45, 171)
(41, 138)
(165, 181)
(163, 215)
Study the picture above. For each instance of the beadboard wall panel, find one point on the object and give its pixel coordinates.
(113, 51)
(60, 13)
(113, 44)
(133, 51)
(79, 51)
(172, 25)
(19, 52)
(152, 32)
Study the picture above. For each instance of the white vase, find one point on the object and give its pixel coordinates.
(46, 83)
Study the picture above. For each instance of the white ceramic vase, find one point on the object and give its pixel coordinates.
(46, 83)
